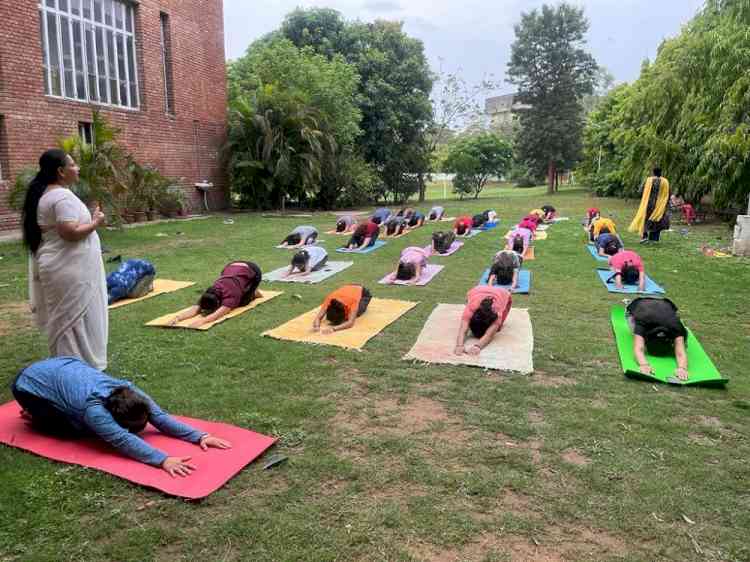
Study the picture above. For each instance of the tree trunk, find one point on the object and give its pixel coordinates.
(422, 188)
(551, 173)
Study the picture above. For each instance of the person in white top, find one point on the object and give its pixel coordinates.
(312, 258)
(67, 281)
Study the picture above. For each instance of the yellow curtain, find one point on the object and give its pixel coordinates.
(639, 222)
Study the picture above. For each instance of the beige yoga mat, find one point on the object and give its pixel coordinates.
(161, 286)
(380, 313)
(163, 321)
(510, 350)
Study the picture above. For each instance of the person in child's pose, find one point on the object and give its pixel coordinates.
(365, 235)
(602, 226)
(308, 260)
(436, 213)
(412, 262)
(628, 269)
(608, 244)
(301, 236)
(341, 308)
(396, 226)
(442, 241)
(657, 328)
(237, 286)
(405, 212)
(345, 224)
(381, 215)
(484, 314)
(463, 225)
(504, 270)
(67, 398)
(549, 213)
(416, 220)
(519, 240)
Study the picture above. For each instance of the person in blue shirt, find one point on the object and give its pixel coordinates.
(608, 244)
(381, 215)
(66, 397)
(133, 279)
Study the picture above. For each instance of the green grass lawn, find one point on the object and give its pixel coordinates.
(390, 460)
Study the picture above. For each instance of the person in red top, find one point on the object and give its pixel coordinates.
(529, 224)
(342, 307)
(463, 226)
(237, 286)
(486, 310)
(628, 269)
(364, 235)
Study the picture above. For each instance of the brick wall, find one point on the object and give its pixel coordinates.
(185, 145)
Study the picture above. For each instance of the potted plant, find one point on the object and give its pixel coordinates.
(172, 202)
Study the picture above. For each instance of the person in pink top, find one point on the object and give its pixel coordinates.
(484, 314)
(410, 265)
(628, 269)
(528, 223)
(519, 240)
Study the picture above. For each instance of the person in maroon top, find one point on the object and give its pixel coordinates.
(237, 286)
(365, 235)
(463, 226)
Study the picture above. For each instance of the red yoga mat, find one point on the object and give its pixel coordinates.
(215, 466)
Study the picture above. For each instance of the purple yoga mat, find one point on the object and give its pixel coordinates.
(452, 250)
(427, 274)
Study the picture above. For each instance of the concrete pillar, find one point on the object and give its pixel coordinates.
(741, 246)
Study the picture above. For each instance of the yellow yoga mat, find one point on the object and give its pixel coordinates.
(380, 313)
(529, 254)
(163, 321)
(161, 286)
(541, 235)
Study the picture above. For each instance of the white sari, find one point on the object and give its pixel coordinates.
(67, 283)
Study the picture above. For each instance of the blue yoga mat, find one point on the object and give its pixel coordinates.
(593, 250)
(524, 281)
(375, 246)
(489, 225)
(651, 287)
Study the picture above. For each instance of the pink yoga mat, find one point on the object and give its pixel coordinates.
(427, 274)
(455, 247)
(215, 466)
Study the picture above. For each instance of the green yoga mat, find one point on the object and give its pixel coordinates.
(701, 370)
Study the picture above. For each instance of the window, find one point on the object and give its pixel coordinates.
(89, 51)
(166, 60)
(86, 132)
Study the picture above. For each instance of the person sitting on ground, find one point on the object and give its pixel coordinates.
(463, 226)
(396, 226)
(608, 244)
(308, 260)
(132, 280)
(67, 398)
(549, 213)
(436, 214)
(442, 241)
(416, 220)
(364, 236)
(519, 240)
(405, 212)
(237, 287)
(345, 224)
(603, 226)
(478, 220)
(341, 308)
(657, 328)
(301, 236)
(381, 215)
(628, 269)
(412, 262)
(484, 314)
(505, 268)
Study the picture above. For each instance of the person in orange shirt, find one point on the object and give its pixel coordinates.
(484, 314)
(341, 308)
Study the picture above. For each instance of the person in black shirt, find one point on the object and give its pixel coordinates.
(657, 328)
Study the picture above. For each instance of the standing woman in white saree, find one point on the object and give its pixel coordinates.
(67, 283)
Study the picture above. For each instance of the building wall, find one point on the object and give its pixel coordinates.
(185, 146)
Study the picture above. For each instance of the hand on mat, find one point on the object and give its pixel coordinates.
(474, 350)
(326, 331)
(646, 368)
(174, 321)
(178, 466)
(210, 441)
(459, 350)
(681, 373)
(198, 323)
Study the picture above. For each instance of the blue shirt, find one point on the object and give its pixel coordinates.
(605, 239)
(79, 392)
(382, 214)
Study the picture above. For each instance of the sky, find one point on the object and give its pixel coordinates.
(473, 37)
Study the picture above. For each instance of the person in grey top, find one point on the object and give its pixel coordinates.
(301, 236)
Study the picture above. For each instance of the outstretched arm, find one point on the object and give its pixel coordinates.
(461, 337)
(618, 281)
(213, 317)
(514, 285)
(681, 356)
(642, 281)
(417, 274)
(189, 313)
(486, 338)
(639, 345)
(318, 319)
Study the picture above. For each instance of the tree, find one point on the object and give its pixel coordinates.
(552, 73)
(475, 159)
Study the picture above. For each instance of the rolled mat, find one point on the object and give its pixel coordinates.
(163, 321)
(380, 313)
(455, 247)
(375, 246)
(524, 281)
(161, 286)
(510, 350)
(651, 288)
(595, 253)
(215, 466)
(428, 273)
(701, 370)
(330, 269)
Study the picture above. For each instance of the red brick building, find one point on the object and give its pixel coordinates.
(154, 68)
